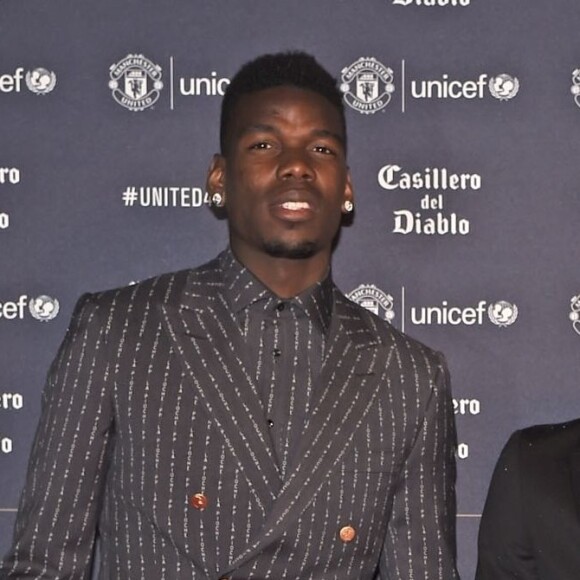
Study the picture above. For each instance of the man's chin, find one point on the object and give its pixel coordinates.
(299, 251)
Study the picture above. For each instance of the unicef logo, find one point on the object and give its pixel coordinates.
(502, 313)
(504, 87)
(40, 81)
(367, 85)
(374, 299)
(575, 313)
(44, 308)
(135, 82)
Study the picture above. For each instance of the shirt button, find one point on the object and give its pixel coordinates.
(347, 534)
(280, 306)
(198, 501)
(270, 423)
(276, 352)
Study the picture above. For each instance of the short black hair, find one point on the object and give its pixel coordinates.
(293, 68)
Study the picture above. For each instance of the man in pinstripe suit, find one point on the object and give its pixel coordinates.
(244, 419)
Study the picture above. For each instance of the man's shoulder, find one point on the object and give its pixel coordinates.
(160, 289)
(551, 439)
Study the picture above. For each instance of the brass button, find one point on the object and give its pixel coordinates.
(347, 534)
(198, 501)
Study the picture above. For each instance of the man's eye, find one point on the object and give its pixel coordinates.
(323, 149)
(261, 145)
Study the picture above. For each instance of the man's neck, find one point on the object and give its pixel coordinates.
(285, 277)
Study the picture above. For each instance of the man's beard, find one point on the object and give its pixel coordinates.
(299, 251)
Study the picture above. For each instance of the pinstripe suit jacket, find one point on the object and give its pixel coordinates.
(148, 402)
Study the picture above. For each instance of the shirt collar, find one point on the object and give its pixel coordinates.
(242, 289)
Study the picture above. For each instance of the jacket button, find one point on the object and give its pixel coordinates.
(347, 534)
(198, 501)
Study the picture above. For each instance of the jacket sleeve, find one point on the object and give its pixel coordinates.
(504, 547)
(56, 521)
(420, 541)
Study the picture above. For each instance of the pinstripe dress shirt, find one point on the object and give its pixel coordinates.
(153, 437)
(285, 344)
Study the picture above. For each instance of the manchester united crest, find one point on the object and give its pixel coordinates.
(374, 299)
(135, 82)
(367, 85)
(575, 88)
(575, 313)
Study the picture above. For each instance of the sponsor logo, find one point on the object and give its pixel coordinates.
(9, 175)
(575, 88)
(40, 81)
(145, 196)
(44, 308)
(207, 84)
(503, 87)
(367, 85)
(575, 313)
(135, 82)
(393, 177)
(11, 401)
(432, 2)
(374, 299)
(500, 313)
(6, 445)
(466, 406)
(41, 308)
(10, 83)
(408, 222)
(431, 220)
(203, 86)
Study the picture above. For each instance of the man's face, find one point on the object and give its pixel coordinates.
(284, 175)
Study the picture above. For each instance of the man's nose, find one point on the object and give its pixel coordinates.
(295, 164)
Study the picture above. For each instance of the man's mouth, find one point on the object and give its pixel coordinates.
(293, 210)
(296, 205)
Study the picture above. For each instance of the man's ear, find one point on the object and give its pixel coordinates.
(348, 188)
(216, 176)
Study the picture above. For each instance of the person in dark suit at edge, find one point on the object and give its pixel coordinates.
(530, 527)
(244, 419)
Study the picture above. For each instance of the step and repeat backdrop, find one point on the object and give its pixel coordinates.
(464, 133)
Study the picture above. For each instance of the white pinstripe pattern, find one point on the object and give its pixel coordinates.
(284, 350)
(149, 401)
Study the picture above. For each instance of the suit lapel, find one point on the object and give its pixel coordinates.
(349, 382)
(209, 345)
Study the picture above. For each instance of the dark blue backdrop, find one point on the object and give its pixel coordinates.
(462, 116)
